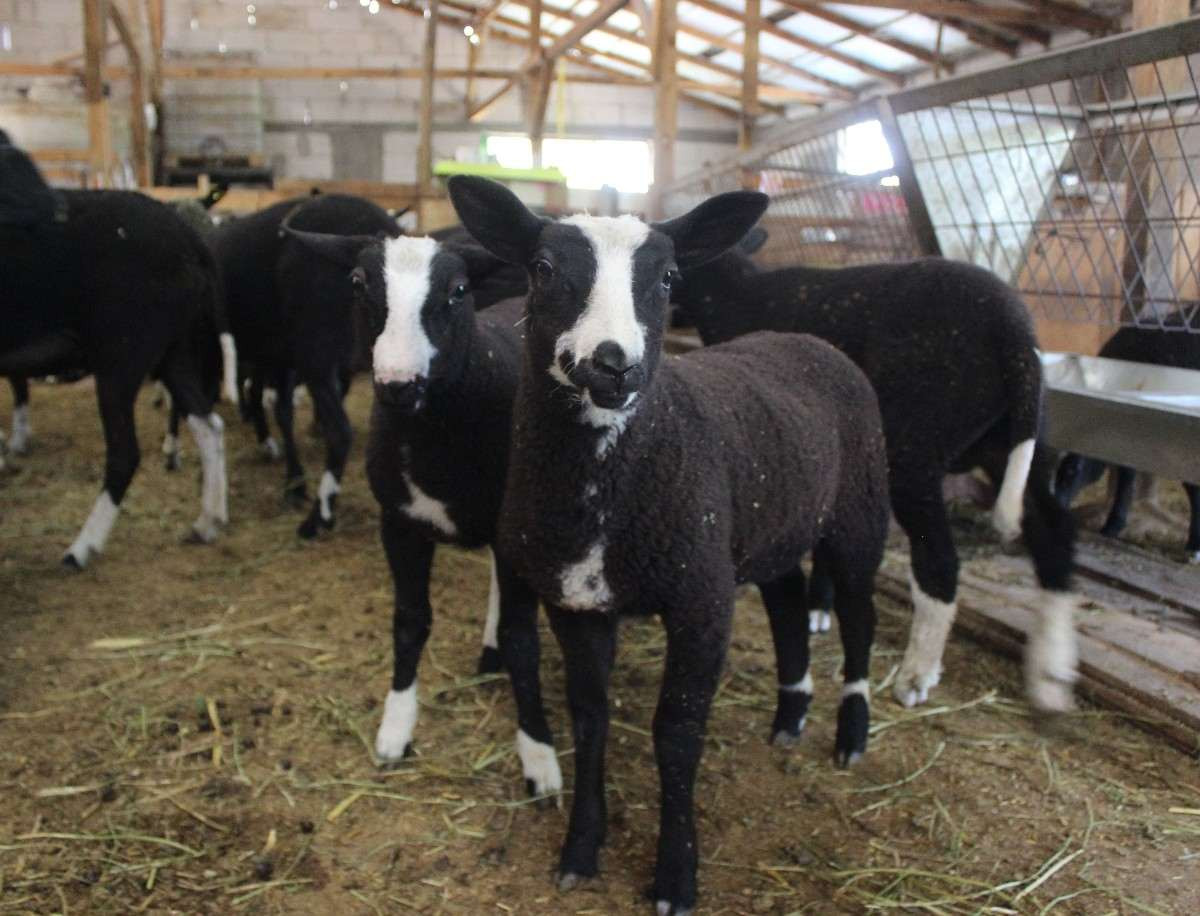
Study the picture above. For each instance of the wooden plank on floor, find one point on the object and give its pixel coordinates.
(999, 615)
(1153, 576)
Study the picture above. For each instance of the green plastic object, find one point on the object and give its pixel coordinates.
(448, 167)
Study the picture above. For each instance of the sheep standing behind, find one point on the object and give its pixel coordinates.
(292, 320)
(118, 286)
(1174, 348)
(951, 353)
(437, 456)
(641, 485)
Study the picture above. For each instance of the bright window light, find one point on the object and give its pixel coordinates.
(588, 165)
(862, 150)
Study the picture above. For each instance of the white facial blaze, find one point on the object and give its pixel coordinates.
(403, 350)
(609, 313)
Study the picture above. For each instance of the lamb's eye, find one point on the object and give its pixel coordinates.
(543, 269)
(667, 279)
(459, 293)
(358, 277)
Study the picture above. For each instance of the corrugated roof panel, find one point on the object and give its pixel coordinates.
(515, 11)
(921, 31)
(690, 71)
(777, 47)
(728, 59)
(690, 44)
(625, 19)
(710, 22)
(834, 70)
(814, 29)
(867, 15)
(872, 52)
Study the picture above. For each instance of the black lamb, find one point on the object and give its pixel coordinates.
(1175, 348)
(951, 352)
(292, 321)
(117, 285)
(437, 455)
(643, 485)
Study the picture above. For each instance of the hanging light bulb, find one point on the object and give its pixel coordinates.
(373, 7)
(222, 47)
(333, 4)
(343, 86)
(474, 39)
(468, 30)
(194, 23)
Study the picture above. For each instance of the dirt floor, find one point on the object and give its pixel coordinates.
(188, 729)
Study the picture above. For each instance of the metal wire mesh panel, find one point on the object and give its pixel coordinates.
(1075, 176)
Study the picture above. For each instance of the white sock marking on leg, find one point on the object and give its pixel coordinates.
(399, 719)
(270, 448)
(804, 685)
(818, 621)
(170, 445)
(922, 665)
(328, 487)
(492, 624)
(1052, 655)
(229, 367)
(862, 687)
(1006, 517)
(214, 499)
(22, 430)
(539, 763)
(94, 534)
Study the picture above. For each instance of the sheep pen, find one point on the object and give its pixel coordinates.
(188, 729)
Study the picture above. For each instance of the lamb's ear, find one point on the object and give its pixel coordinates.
(714, 226)
(340, 249)
(753, 241)
(496, 218)
(480, 262)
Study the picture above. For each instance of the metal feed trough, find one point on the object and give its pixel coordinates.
(1074, 175)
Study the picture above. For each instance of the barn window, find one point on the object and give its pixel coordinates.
(626, 165)
(862, 150)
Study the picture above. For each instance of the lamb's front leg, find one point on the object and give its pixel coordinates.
(588, 641)
(519, 650)
(696, 647)
(410, 557)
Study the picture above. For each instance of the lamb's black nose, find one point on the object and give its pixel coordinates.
(609, 357)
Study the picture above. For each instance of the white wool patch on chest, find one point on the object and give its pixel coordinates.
(583, 585)
(427, 509)
(609, 313)
(403, 351)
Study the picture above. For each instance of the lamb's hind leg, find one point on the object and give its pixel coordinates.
(116, 397)
(1193, 541)
(332, 417)
(410, 558)
(208, 430)
(519, 649)
(854, 583)
(22, 429)
(293, 489)
(934, 581)
(784, 599)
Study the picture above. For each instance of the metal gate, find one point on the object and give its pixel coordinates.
(1073, 175)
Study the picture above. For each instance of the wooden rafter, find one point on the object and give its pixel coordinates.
(750, 74)
(698, 60)
(139, 133)
(867, 31)
(582, 27)
(95, 39)
(664, 70)
(727, 44)
(770, 28)
(995, 15)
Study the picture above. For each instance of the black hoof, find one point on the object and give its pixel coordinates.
(489, 661)
(295, 493)
(71, 563)
(787, 737)
(854, 720)
(315, 523)
(171, 463)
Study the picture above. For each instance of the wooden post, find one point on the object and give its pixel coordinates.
(473, 43)
(155, 17)
(666, 102)
(1151, 191)
(537, 85)
(139, 136)
(425, 116)
(95, 27)
(750, 178)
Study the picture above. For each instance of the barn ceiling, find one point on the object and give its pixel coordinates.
(810, 52)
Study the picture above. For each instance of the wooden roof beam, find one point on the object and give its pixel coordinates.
(994, 15)
(582, 27)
